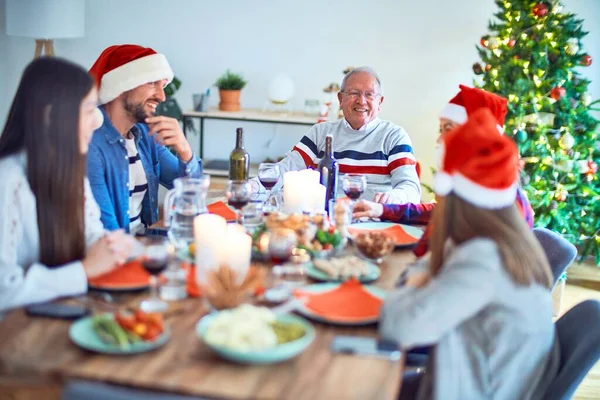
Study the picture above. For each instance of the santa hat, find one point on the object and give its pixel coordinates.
(469, 100)
(479, 165)
(124, 67)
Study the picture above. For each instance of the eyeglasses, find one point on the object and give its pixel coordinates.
(355, 94)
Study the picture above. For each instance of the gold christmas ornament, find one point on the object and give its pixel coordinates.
(567, 141)
(572, 47)
(586, 99)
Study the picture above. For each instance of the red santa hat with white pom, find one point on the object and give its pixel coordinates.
(478, 165)
(124, 67)
(469, 100)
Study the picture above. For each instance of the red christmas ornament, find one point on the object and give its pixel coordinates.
(558, 93)
(540, 9)
(484, 41)
(586, 60)
(511, 43)
(593, 168)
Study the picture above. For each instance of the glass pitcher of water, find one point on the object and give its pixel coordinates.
(182, 203)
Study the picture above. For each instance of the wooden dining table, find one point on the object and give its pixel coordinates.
(37, 352)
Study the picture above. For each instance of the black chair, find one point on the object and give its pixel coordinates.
(560, 252)
(578, 333)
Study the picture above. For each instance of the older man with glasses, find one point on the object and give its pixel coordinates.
(363, 143)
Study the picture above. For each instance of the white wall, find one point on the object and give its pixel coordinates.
(4, 93)
(422, 51)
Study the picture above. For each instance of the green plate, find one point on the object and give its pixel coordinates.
(373, 274)
(413, 231)
(325, 287)
(83, 335)
(273, 355)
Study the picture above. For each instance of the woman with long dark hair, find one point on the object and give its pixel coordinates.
(51, 237)
(484, 304)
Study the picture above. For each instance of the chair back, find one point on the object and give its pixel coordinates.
(578, 333)
(559, 251)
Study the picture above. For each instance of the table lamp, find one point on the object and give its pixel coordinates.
(45, 20)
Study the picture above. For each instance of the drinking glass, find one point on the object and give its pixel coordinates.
(238, 195)
(155, 259)
(269, 175)
(354, 185)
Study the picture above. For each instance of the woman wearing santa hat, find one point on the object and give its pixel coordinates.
(51, 237)
(484, 303)
(453, 115)
(128, 156)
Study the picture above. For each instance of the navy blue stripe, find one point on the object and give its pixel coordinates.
(138, 188)
(133, 159)
(309, 143)
(135, 218)
(356, 155)
(401, 148)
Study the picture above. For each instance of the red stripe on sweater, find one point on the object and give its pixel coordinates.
(307, 160)
(399, 163)
(363, 169)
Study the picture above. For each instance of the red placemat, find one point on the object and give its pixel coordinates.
(350, 300)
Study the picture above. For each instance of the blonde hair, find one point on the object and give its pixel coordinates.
(523, 258)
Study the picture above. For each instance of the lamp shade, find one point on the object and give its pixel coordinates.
(45, 19)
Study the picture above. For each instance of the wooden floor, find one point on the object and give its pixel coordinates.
(583, 284)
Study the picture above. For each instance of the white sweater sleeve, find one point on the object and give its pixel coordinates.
(422, 316)
(406, 187)
(25, 284)
(304, 153)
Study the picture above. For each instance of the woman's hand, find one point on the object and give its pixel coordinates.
(369, 209)
(107, 253)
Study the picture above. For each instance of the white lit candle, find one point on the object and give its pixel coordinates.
(292, 192)
(317, 197)
(210, 236)
(239, 252)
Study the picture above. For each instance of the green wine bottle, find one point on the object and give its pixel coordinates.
(239, 159)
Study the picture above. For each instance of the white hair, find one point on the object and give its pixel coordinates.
(358, 70)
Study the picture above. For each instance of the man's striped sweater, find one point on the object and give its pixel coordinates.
(380, 150)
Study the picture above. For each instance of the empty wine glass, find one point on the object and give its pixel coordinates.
(238, 195)
(269, 175)
(155, 259)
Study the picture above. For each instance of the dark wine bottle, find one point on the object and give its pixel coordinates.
(239, 159)
(329, 170)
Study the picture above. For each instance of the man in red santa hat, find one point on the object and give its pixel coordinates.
(128, 157)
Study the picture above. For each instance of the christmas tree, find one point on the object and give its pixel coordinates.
(531, 56)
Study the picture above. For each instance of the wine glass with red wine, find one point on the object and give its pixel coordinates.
(354, 186)
(238, 195)
(269, 175)
(155, 259)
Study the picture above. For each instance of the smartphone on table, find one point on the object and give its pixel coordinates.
(366, 346)
(57, 310)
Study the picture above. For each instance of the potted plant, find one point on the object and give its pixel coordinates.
(230, 85)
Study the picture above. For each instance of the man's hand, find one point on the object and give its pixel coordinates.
(168, 132)
(381, 197)
(367, 209)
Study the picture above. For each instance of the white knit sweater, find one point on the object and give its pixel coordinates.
(380, 150)
(23, 279)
